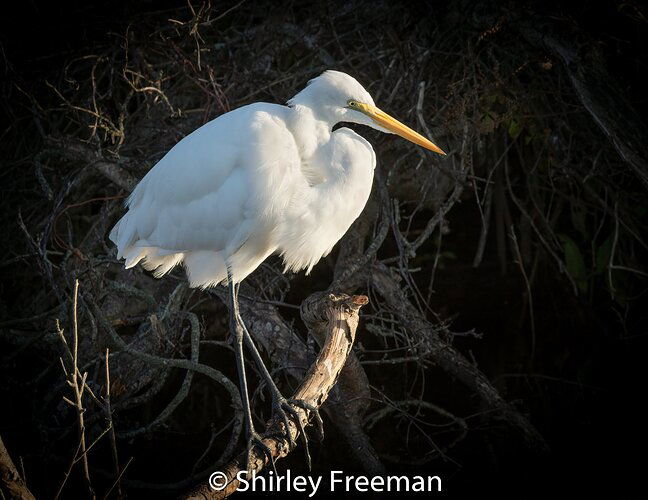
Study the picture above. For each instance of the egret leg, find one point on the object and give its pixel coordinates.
(280, 405)
(236, 326)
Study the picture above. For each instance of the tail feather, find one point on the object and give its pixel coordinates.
(123, 235)
(160, 264)
(204, 268)
(133, 256)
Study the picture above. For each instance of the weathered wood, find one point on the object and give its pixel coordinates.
(12, 485)
(347, 401)
(335, 317)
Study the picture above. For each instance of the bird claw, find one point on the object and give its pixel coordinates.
(319, 424)
(280, 410)
(255, 439)
(282, 407)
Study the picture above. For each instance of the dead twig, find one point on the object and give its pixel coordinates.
(109, 420)
(78, 386)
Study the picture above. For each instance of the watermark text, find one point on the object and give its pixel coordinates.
(335, 481)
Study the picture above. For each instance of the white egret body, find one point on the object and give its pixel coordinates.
(261, 179)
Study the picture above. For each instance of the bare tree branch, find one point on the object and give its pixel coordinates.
(336, 317)
(12, 485)
(452, 361)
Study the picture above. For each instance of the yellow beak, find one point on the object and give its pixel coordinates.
(398, 128)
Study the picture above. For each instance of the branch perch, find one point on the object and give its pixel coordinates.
(334, 317)
(12, 485)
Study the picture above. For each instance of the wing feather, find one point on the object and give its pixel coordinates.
(211, 192)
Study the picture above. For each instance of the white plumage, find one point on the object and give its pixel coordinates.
(261, 179)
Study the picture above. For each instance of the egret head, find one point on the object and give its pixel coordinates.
(338, 97)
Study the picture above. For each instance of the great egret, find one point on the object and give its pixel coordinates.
(258, 180)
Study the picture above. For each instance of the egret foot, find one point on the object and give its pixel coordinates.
(255, 439)
(319, 424)
(282, 407)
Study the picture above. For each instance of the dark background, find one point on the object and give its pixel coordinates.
(584, 386)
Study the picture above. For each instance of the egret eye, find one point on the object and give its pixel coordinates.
(352, 103)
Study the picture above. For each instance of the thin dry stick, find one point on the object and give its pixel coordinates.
(113, 441)
(78, 387)
(337, 316)
(66, 474)
(527, 283)
(118, 480)
(481, 245)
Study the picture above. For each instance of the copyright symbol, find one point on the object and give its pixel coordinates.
(217, 481)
